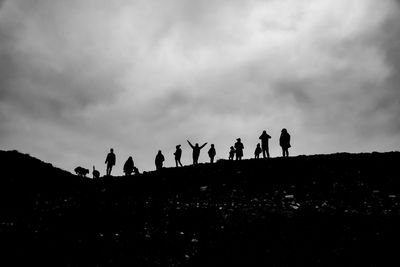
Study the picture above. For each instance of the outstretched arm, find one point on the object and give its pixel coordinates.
(190, 144)
(203, 145)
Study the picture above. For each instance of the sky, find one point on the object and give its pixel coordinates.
(78, 77)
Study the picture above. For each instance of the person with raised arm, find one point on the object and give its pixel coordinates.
(264, 143)
(196, 151)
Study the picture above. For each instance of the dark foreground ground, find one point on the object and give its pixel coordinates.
(323, 210)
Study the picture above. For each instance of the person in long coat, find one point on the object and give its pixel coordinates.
(159, 160)
(239, 149)
(284, 142)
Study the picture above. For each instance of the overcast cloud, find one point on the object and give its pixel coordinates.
(78, 77)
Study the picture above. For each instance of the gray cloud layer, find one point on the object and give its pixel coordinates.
(77, 77)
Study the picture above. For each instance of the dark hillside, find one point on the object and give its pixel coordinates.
(323, 210)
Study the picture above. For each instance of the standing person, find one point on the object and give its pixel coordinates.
(129, 166)
(231, 153)
(196, 151)
(264, 143)
(212, 153)
(257, 152)
(284, 142)
(239, 149)
(178, 154)
(159, 160)
(110, 161)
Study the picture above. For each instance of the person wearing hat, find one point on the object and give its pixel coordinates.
(264, 143)
(239, 149)
(178, 154)
(284, 142)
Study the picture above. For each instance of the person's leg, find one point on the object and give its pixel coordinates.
(267, 152)
(263, 151)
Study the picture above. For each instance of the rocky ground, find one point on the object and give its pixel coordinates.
(323, 210)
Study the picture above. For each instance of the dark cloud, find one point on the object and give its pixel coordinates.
(145, 75)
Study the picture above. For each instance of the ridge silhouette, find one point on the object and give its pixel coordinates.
(324, 210)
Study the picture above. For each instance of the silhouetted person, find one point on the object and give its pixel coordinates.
(178, 154)
(257, 152)
(212, 153)
(239, 149)
(110, 161)
(196, 151)
(159, 160)
(95, 173)
(264, 143)
(231, 153)
(284, 142)
(129, 166)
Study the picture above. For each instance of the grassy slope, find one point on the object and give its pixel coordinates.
(340, 209)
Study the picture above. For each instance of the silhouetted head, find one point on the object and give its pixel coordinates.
(231, 147)
(178, 146)
(284, 130)
(258, 144)
(212, 145)
(264, 132)
(238, 139)
(197, 144)
(159, 151)
(130, 158)
(111, 150)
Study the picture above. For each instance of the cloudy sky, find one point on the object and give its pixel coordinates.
(80, 76)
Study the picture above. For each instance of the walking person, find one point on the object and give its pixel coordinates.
(264, 143)
(178, 154)
(196, 151)
(110, 161)
(239, 149)
(159, 160)
(212, 153)
(284, 142)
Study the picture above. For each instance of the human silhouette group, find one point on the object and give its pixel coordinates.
(235, 152)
